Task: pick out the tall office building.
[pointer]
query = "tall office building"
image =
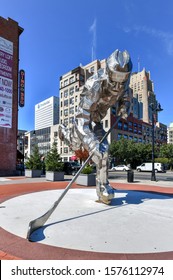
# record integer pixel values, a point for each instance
(143, 92)
(47, 113)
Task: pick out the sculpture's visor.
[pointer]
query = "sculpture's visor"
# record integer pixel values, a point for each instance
(117, 76)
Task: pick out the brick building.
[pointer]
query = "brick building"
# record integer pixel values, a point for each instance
(10, 32)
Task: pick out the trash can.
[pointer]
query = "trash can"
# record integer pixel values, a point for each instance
(130, 176)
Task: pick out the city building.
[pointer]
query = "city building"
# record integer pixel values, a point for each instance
(47, 113)
(10, 33)
(143, 94)
(170, 133)
(44, 138)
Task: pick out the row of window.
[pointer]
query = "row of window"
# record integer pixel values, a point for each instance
(68, 81)
(72, 79)
(130, 137)
(69, 92)
(70, 101)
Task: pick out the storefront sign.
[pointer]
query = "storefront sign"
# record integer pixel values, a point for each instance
(6, 82)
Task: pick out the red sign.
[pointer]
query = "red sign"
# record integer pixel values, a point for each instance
(22, 88)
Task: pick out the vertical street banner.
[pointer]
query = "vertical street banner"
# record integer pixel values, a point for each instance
(21, 88)
(6, 82)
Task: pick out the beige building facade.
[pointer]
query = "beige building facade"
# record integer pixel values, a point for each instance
(170, 133)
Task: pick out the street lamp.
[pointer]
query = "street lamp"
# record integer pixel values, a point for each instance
(154, 109)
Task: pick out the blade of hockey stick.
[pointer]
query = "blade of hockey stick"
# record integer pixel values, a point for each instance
(39, 222)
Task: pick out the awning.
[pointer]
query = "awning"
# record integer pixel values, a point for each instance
(73, 158)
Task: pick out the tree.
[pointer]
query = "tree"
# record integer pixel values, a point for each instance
(34, 162)
(130, 152)
(53, 160)
(166, 151)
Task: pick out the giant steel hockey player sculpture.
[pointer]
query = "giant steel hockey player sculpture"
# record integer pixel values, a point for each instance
(106, 88)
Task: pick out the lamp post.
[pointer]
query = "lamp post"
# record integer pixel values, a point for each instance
(155, 109)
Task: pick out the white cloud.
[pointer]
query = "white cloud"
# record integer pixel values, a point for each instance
(93, 30)
(165, 37)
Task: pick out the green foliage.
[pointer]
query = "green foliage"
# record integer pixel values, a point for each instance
(34, 162)
(53, 160)
(128, 152)
(87, 169)
(162, 160)
(166, 151)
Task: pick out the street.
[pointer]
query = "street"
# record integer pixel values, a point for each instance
(168, 176)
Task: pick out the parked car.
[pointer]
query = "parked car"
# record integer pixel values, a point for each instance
(120, 167)
(71, 167)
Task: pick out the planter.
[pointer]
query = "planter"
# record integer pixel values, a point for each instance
(54, 176)
(86, 180)
(32, 173)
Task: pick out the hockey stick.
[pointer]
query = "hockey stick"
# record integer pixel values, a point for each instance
(39, 222)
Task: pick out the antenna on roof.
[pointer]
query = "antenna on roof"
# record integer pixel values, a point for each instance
(138, 64)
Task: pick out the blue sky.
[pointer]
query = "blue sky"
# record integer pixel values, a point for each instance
(59, 35)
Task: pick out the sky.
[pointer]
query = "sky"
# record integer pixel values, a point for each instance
(60, 35)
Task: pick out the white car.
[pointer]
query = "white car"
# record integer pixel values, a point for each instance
(120, 167)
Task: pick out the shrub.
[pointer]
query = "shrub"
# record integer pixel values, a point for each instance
(87, 169)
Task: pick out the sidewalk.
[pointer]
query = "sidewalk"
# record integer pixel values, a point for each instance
(15, 247)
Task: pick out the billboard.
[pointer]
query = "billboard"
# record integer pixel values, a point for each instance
(6, 82)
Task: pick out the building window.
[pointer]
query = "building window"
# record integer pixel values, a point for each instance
(65, 150)
(125, 126)
(72, 79)
(119, 125)
(65, 93)
(66, 112)
(119, 136)
(66, 82)
(71, 110)
(71, 91)
(66, 102)
(72, 101)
